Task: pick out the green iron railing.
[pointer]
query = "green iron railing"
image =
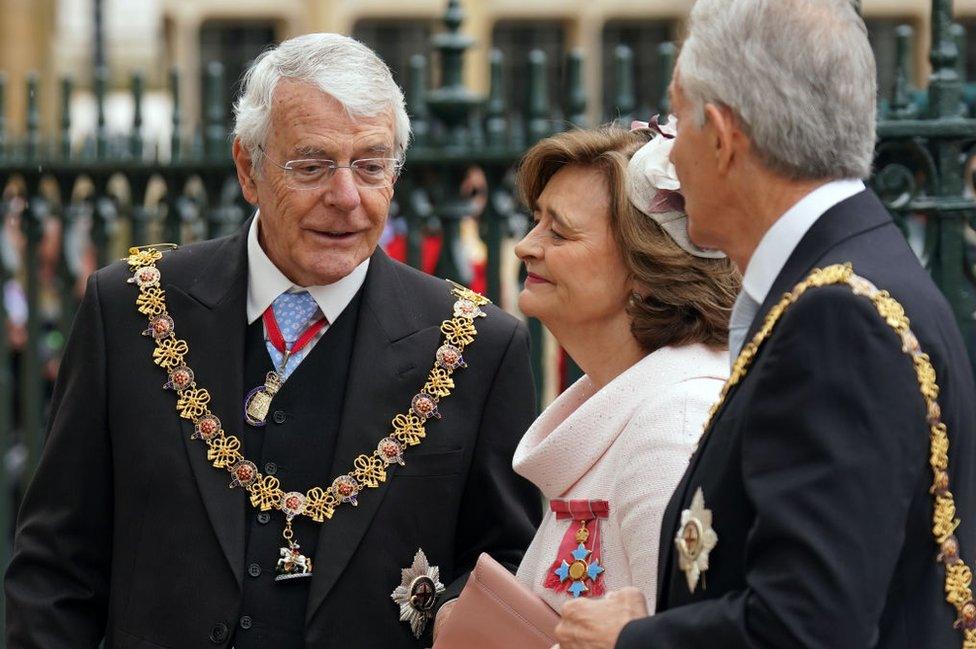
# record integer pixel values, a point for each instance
(923, 164)
(115, 191)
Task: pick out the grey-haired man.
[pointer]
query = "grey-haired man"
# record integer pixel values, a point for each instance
(820, 509)
(365, 414)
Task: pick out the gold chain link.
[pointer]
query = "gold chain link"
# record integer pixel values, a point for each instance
(369, 471)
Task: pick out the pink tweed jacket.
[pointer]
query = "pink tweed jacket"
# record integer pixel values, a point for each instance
(628, 444)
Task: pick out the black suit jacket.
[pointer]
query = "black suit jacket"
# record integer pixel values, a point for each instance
(127, 531)
(816, 469)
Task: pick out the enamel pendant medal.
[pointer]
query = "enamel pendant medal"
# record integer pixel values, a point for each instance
(257, 403)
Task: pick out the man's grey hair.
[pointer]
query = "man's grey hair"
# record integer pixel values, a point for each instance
(799, 74)
(337, 65)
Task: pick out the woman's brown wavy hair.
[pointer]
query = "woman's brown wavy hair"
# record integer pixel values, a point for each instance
(686, 299)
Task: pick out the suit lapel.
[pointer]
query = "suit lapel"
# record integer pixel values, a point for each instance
(210, 315)
(385, 372)
(850, 217)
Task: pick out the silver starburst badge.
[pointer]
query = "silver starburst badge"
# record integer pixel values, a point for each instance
(417, 593)
(695, 539)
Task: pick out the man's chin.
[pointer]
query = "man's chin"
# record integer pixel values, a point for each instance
(337, 266)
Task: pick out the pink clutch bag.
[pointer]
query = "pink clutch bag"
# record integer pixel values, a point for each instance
(496, 610)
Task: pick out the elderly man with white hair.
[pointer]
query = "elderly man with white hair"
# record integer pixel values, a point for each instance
(830, 503)
(279, 439)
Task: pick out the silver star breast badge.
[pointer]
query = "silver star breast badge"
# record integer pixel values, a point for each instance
(417, 593)
(695, 539)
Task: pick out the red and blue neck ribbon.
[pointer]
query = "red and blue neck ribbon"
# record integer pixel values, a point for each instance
(577, 568)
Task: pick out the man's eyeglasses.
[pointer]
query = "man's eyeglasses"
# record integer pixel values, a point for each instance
(314, 173)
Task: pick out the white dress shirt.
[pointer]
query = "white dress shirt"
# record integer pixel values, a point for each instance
(780, 241)
(265, 282)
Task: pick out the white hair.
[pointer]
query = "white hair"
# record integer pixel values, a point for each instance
(337, 65)
(799, 74)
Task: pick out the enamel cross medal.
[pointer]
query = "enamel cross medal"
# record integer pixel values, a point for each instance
(577, 569)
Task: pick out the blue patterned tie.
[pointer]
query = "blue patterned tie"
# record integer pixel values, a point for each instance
(294, 313)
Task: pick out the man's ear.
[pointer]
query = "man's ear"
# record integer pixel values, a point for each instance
(725, 133)
(245, 171)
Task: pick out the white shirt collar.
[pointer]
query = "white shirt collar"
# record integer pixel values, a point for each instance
(265, 282)
(782, 238)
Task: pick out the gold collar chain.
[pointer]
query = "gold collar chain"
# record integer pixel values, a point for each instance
(958, 578)
(224, 450)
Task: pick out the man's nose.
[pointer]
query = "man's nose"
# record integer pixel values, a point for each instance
(342, 190)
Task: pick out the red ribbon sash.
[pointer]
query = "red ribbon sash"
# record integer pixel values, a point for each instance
(589, 513)
(274, 333)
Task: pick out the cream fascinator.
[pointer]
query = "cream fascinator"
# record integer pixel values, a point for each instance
(654, 189)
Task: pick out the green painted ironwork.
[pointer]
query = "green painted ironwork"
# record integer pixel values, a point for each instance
(67, 87)
(33, 116)
(175, 140)
(414, 200)
(920, 173)
(7, 481)
(135, 136)
(576, 104)
(101, 130)
(902, 104)
(216, 130)
(666, 53)
(540, 112)
(625, 100)
(3, 115)
(497, 130)
(453, 104)
(496, 122)
(417, 101)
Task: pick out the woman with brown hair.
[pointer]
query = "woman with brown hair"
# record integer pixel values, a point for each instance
(644, 312)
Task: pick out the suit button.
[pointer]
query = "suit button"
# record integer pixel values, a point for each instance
(271, 468)
(279, 417)
(254, 570)
(264, 517)
(246, 622)
(218, 633)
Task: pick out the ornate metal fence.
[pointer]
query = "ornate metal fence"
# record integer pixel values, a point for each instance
(68, 210)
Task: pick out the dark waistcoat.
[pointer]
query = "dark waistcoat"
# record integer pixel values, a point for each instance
(296, 446)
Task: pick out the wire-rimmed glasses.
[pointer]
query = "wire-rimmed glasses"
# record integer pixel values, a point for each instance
(314, 173)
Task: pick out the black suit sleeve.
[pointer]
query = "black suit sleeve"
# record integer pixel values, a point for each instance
(58, 580)
(834, 449)
(499, 510)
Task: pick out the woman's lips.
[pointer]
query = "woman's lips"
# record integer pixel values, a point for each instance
(532, 278)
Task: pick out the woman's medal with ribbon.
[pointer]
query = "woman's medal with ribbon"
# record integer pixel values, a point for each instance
(577, 568)
(258, 401)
